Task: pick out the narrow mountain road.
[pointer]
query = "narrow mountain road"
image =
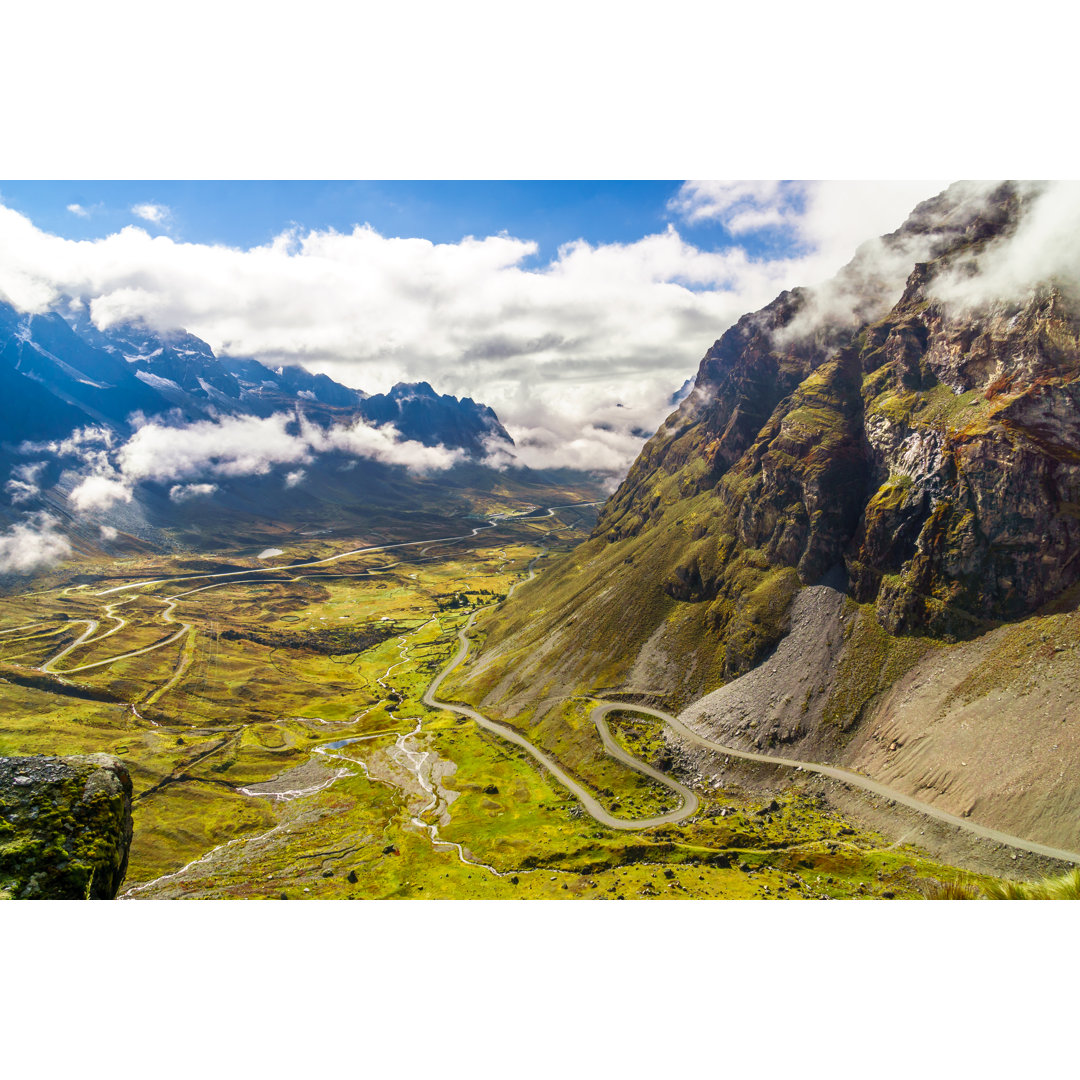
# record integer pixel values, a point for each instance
(690, 803)
(91, 629)
(853, 779)
(595, 810)
(166, 617)
(27, 626)
(87, 638)
(170, 602)
(493, 523)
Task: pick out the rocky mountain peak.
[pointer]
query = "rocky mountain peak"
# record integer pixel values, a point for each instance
(927, 450)
(883, 431)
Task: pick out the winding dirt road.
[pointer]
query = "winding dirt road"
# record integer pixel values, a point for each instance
(170, 602)
(690, 802)
(853, 779)
(593, 808)
(493, 523)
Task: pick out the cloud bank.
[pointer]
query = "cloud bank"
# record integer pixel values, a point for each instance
(190, 456)
(554, 348)
(827, 220)
(1043, 250)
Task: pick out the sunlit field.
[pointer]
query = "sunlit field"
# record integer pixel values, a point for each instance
(271, 717)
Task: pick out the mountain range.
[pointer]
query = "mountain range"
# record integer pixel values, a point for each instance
(58, 375)
(230, 449)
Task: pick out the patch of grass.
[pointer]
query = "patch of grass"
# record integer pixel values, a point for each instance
(872, 661)
(958, 889)
(760, 618)
(1065, 887)
(980, 887)
(329, 641)
(888, 497)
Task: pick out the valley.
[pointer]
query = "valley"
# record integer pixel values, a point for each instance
(291, 734)
(820, 638)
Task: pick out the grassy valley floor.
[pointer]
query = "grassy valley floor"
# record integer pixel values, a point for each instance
(273, 726)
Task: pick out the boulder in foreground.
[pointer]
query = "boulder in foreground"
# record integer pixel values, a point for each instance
(65, 827)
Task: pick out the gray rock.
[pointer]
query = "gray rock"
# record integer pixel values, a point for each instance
(65, 827)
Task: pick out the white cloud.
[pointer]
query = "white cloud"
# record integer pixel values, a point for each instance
(179, 493)
(231, 446)
(839, 215)
(19, 491)
(593, 449)
(552, 348)
(1039, 250)
(185, 455)
(33, 544)
(863, 291)
(1043, 249)
(384, 444)
(155, 213)
(99, 492)
(828, 218)
(108, 532)
(497, 455)
(78, 210)
(733, 202)
(23, 485)
(73, 445)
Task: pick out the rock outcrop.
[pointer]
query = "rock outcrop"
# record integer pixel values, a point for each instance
(65, 827)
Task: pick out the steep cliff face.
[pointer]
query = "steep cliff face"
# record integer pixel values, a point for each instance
(930, 453)
(975, 466)
(65, 827)
(920, 456)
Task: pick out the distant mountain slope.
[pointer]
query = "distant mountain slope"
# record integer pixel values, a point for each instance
(184, 370)
(420, 413)
(42, 353)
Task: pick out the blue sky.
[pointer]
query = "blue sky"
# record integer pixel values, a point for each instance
(246, 214)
